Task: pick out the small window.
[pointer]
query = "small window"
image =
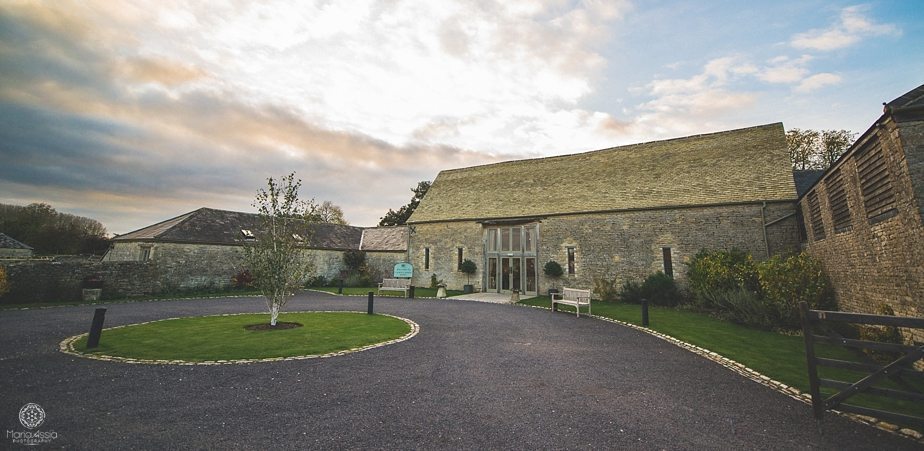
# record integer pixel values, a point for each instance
(426, 258)
(492, 240)
(571, 261)
(145, 253)
(668, 264)
(818, 226)
(459, 263)
(837, 200)
(247, 234)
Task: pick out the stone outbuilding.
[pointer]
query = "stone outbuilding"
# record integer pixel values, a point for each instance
(863, 217)
(12, 248)
(205, 247)
(623, 212)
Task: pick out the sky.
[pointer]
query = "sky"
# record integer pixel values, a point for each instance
(136, 112)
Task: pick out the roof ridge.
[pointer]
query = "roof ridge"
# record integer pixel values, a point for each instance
(615, 148)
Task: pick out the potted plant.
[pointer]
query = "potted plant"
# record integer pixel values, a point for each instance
(92, 287)
(553, 270)
(468, 267)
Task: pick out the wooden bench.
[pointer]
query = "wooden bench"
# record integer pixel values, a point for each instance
(395, 285)
(573, 297)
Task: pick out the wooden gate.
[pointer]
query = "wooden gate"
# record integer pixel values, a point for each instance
(900, 371)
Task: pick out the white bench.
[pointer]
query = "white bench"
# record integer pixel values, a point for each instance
(395, 285)
(573, 297)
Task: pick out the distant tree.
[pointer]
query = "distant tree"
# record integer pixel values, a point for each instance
(52, 232)
(813, 149)
(802, 146)
(833, 144)
(275, 258)
(329, 213)
(400, 217)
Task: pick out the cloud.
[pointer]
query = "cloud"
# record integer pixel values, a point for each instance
(817, 81)
(134, 113)
(852, 27)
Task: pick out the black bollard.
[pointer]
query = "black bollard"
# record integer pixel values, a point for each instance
(96, 329)
(410, 292)
(340, 287)
(644, 313)
(371, 297)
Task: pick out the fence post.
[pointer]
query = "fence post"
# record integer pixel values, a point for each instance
(644, 312)
(96, 329)
(369, 307)
(340, 287)
(818, 404)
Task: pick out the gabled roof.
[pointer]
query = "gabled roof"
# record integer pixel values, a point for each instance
(745, 165)
(909, 106)
(8, 242)
(805, 179)
(384, 239)
(210, 226)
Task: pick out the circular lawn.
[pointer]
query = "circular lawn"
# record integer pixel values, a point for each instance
(234, 339)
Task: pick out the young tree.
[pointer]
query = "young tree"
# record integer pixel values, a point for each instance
(400, 217)
(276, 257)
(330, 213)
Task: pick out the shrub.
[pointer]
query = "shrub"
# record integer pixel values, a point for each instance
(884, 334)
(787, 281)
(631, 292)
(744, 307)
(243, 279)
(357, 279)
(606, 290)
(468, 267)
(660, 289)
(354, 260)
(317, 281)
(4, 282)
(720, 270)
(553, 269)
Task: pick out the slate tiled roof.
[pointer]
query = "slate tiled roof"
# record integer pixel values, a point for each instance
(8, 242)
(805, 179)
(384, 239)
(745, 165)
(210, 226)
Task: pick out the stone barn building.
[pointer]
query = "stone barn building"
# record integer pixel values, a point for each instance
(863, 218)
(622, 212)
(205, 247)
(12, 248)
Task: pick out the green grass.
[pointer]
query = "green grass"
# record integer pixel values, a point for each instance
(775, 355)
(224, 337)
(419, 292)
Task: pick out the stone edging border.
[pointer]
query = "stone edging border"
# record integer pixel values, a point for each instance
(755, 376)
(67, 345)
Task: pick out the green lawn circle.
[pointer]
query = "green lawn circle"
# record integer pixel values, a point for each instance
(223, 338)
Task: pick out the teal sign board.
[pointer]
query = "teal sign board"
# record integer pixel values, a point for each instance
(404, 270)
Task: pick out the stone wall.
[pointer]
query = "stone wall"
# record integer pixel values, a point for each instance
(872, 264)
(444, 239)
(628, 245)
(383, 262)
(61, 281)
(625, 245)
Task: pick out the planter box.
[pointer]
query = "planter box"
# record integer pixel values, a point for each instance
(92, 294)
(468, 289)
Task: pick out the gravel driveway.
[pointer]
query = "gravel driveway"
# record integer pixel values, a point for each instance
(478, 375)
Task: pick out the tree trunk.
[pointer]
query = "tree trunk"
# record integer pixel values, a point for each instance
(274, 314)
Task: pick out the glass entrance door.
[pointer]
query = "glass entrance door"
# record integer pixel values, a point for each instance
(510, 259)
